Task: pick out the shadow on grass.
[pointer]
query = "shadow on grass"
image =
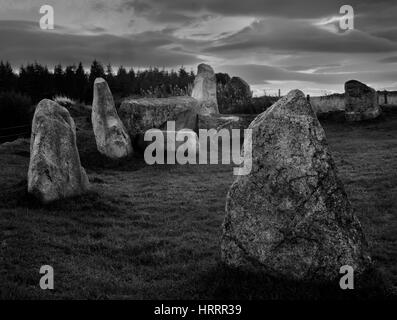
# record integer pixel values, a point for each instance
(224, 283)
(96, 162)
(91, 159)
(338, 117)
(92, 201)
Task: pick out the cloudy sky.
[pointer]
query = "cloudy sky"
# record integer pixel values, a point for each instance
(272, 44)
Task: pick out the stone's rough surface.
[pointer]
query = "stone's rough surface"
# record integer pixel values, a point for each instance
(111, 137)
(361, 102)
(204, 89)
(291, 215)
(239, 85)
(140, 115)
(55, 171)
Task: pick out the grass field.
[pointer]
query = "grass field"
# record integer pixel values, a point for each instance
(153, 232)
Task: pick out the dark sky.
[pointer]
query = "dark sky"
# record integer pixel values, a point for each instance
(270, 43)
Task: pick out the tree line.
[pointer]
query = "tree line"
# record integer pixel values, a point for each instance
(21, 91)
(38, 82)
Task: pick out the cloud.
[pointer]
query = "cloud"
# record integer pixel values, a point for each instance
(95, 29)
(24, 41)
(259, 74)
(388, 33)
(281, 8)
(300, 35)
(293, 42)
(315, 67)
(371, 18)
(153, 12)
(389, 60)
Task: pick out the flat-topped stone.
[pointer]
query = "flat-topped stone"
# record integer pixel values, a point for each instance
(140, 115)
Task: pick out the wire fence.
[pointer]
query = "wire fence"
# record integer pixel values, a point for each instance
(16, 127)
(15, 135)
(23, 131)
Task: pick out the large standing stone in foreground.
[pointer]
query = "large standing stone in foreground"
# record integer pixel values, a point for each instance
(204, 89)
(290, 216)
(140, 115)
(241, 86)
(55, 171)
(361, 102)
(111, 137)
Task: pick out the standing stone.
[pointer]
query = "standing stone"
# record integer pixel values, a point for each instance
(111, 137)
(241, 86)
(204, 89)
(290, 215)
(55, 171)
(361, 102)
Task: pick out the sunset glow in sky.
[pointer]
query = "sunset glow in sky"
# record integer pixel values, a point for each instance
(272, 44)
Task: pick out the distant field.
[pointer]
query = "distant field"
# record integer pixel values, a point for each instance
(153, 232)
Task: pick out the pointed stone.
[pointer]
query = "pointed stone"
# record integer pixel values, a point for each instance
(290, 216)
(111, 137)
(204, 89)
